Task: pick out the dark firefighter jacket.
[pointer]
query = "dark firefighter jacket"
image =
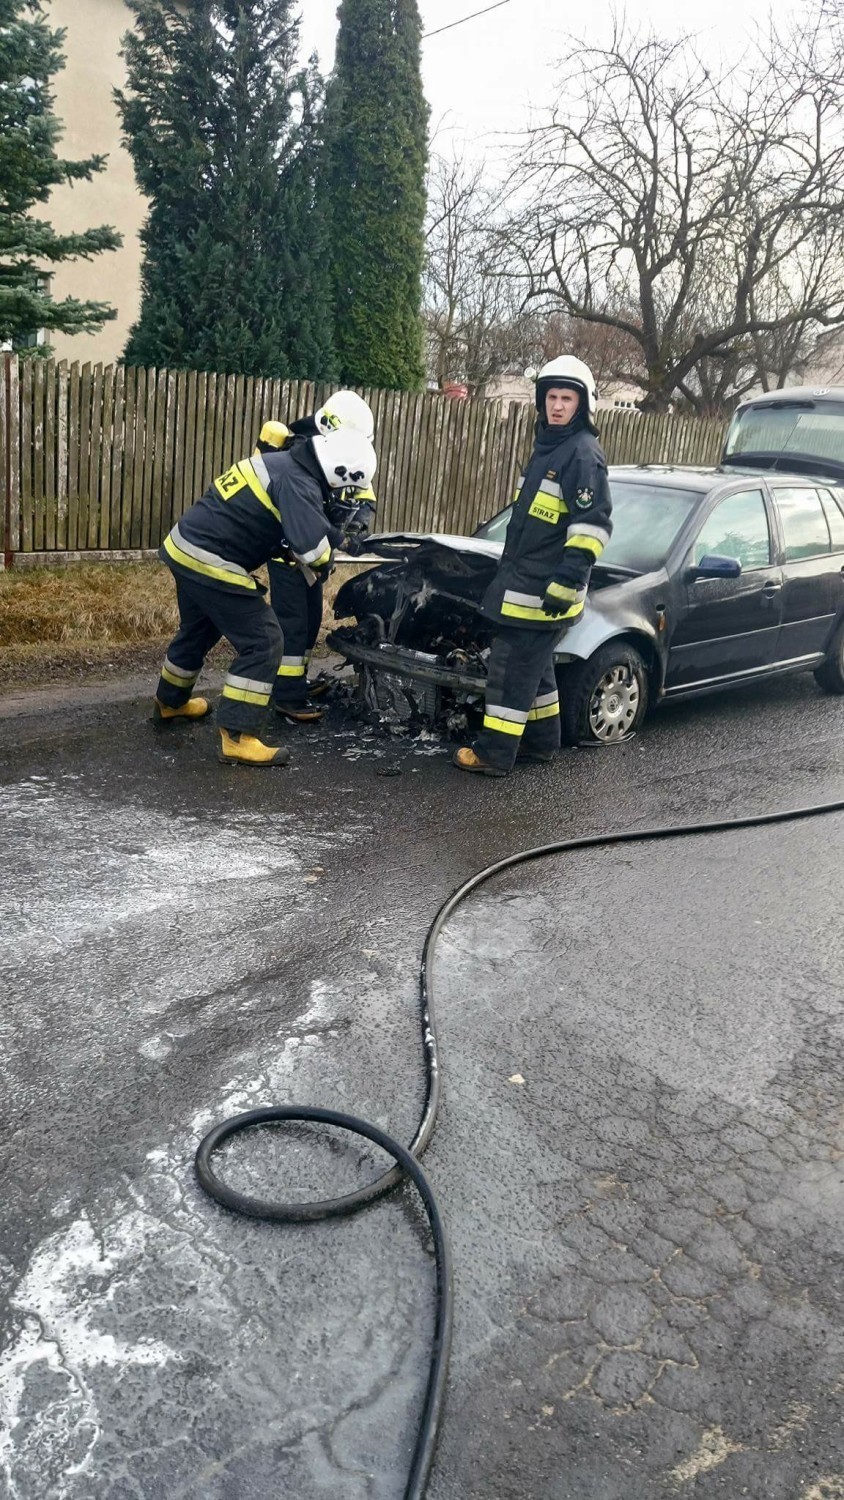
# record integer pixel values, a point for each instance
(560, 525)
(246, 515)
(350, 512)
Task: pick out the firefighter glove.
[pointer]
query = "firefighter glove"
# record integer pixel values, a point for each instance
(354, 545)
(560, 598)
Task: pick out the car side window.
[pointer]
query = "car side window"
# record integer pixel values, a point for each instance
(803, 523)
(738, 527)
(833, 504)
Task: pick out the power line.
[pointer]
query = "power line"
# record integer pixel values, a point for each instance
(472, 17)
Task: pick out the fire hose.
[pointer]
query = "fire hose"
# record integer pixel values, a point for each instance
(407, 1158)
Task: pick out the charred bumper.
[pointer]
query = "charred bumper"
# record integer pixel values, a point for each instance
(402, 661)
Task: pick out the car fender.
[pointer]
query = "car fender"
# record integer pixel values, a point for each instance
(598, 626)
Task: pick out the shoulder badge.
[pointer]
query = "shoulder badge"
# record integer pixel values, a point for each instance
(584, 498)
(552, 474)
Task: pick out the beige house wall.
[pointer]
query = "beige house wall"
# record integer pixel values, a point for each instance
(84, 104)
(506, 388)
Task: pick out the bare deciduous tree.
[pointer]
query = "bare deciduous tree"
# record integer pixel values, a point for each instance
(697, 215)
(465, 299)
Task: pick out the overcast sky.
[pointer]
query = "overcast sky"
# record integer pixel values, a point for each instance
(482, 78)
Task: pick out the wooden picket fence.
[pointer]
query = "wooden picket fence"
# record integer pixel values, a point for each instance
(105, 459)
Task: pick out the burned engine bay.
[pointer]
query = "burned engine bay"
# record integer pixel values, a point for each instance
(420, 644)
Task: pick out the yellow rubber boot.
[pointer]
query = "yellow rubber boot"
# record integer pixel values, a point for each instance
(246, 750)
(195, 708)
(465, 759)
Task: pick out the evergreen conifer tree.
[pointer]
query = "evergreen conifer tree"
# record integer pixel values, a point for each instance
(30, 56)
(377, 124)
(225, 136)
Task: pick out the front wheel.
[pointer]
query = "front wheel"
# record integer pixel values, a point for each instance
(830, 674)
(603, 700)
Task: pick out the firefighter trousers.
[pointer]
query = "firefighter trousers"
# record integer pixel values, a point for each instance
(298, 609)
(206, 613)
(522, 710)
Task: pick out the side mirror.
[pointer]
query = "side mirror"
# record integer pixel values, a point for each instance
(713, 565)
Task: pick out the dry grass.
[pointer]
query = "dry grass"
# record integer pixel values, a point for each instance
(116, 604)
(62, 620)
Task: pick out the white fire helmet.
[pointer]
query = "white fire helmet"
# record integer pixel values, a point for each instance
(345, 409)
(570, 372)
(346, 457)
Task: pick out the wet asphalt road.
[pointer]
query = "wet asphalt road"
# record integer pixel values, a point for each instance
(647, 1229)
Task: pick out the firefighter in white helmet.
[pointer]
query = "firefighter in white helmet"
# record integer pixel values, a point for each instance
(559, 526)
(296, 595)
(244, 518)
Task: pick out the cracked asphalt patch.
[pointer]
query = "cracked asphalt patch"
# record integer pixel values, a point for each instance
(640, 1155)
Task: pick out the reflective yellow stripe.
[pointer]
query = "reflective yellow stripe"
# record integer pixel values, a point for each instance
(181, 672)
(179, 682)
(324, 557)
(563, 591)
(548, 507)
(291, 671)
(244, 696)
(185, 560)
(257, 488)
(586, 544)
(524, 612)
(504, 726)
(550, 711)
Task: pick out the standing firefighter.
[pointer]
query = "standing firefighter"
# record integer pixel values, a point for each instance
(295, 594)
(244, 518)
(560, 525)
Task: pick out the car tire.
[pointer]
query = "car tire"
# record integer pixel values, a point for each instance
(830, 674)
(603, 700)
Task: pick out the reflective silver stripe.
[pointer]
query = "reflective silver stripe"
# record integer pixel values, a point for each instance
(315, 552)
(170, 666)
(531, 601)
(597, 532)
(260, 469)
(248, 684)
(550, 487)
(544, 698)
(293, 661)
(211, 558)
(498, 711)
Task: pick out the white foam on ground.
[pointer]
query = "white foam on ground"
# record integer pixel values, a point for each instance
(68, 1271)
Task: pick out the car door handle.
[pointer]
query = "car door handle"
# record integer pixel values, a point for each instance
(773, 588)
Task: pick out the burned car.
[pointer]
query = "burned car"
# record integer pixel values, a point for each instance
(714, 577)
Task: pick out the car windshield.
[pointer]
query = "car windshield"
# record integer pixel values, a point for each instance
(646, 519)
(794, 427)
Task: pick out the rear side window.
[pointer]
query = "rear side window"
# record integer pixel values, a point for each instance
(738, 527)
(833, 504)
(803, 522)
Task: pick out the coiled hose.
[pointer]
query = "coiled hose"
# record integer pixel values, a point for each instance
(406, 1158)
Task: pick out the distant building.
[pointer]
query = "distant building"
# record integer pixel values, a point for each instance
(516, 387)
(84, 104)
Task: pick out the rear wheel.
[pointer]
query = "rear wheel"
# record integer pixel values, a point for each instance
(604, 700)
(830, 674)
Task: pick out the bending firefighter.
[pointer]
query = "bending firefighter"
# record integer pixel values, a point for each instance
(295, 593)
(244, 518)
(559, 526)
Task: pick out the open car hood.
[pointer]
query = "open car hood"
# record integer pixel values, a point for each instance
(403, 541)
(427, 593)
